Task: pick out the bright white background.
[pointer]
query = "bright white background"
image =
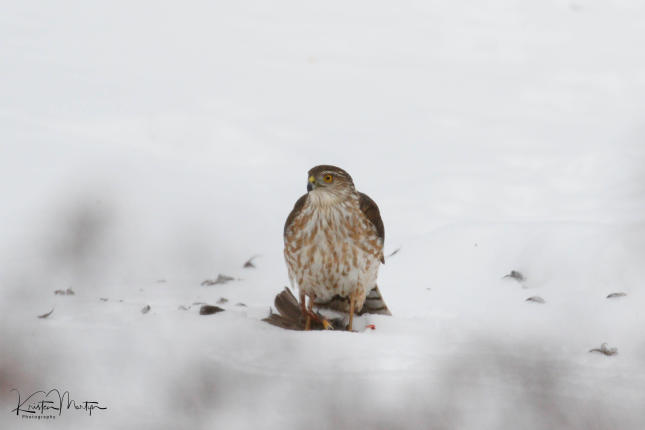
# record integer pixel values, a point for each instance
(147, 141)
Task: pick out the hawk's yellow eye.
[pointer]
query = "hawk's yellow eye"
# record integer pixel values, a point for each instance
(328, 178)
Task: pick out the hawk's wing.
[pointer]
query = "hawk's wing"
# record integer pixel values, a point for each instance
(370, 210)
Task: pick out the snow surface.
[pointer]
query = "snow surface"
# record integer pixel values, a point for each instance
(147, 146)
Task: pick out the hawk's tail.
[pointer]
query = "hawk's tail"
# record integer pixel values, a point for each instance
(374, 304)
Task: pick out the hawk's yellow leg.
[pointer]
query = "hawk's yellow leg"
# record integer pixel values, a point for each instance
(352, 305)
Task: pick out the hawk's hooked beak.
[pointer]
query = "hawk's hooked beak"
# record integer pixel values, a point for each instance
(312, 183)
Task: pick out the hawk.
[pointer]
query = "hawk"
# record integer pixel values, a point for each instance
(333, 246)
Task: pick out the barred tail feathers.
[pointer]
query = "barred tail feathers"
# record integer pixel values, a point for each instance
(374, 304)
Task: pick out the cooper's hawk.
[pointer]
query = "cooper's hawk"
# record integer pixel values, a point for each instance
(333, 246)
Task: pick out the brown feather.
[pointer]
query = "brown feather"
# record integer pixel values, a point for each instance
(289, 315)
(287, 304)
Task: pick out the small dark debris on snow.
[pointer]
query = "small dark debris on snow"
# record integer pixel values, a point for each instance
(120, 300)
(222, 300)
(605, 349)
(209, 310)
(393, 253)
(161, 281)
(145, 309)
(515, 275)
(183, 308)
(428, 289)
(536, 299)
(249, 263)
(240, 304)
(615, 295)
(221, 279)
(103, 299)
(47, 314)
(67, 292)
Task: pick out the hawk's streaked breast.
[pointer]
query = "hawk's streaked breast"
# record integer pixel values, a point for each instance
(332, 248)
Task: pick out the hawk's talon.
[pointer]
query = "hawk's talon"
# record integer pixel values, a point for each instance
(326, 324)
(311, 316)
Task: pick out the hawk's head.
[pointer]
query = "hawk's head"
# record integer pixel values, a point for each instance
(330, 182)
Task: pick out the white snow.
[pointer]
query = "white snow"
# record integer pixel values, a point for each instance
(147, 146)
